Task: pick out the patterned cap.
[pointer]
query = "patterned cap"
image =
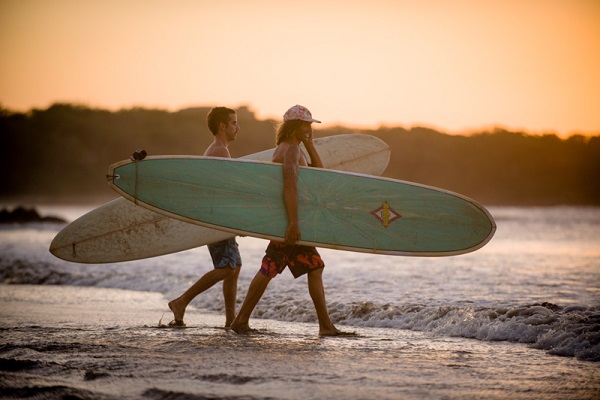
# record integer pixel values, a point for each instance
(299, 113)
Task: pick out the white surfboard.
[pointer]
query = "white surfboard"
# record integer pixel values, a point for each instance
(122, 231)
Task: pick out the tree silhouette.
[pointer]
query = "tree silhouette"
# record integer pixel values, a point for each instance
(62, 153)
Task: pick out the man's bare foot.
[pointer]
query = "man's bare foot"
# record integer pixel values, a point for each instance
(178, 312)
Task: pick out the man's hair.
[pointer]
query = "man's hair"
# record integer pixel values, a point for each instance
(216, 116)
(286, 130)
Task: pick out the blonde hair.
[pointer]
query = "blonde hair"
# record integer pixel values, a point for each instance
(286, 130)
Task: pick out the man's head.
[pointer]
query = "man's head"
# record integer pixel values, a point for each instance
(218, 116)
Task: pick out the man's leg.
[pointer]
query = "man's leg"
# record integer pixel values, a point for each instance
(230, 295)
(207, 281)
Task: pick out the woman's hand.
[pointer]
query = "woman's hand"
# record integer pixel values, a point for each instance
(292, 234)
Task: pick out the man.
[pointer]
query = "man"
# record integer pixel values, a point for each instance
(296, 129)
(223, 124)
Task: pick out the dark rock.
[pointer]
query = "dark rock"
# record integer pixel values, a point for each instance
(25, 215)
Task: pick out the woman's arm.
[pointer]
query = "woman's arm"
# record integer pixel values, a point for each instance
(315, 159)
(291, 168)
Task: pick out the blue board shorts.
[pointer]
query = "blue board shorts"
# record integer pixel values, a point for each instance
(225, 253)
(299, 259)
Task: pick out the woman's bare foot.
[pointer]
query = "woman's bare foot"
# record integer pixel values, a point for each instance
(335, 332)
(178, 312)
(241, 329)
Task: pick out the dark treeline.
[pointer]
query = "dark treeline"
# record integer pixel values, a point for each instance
(62, 153)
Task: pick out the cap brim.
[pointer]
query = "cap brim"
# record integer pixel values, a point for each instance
(305, 120)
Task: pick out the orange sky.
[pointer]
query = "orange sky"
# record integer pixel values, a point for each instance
(455, 65)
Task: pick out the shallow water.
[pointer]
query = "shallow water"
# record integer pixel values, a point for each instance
(519, 318)
(91, 342)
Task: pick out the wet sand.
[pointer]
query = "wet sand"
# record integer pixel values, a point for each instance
(105, 343)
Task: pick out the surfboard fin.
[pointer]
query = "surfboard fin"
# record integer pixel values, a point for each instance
(138, 155)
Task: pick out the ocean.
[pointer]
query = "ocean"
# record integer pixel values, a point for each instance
(519, 319)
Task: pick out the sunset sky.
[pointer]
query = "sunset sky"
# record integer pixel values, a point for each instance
(454, 65)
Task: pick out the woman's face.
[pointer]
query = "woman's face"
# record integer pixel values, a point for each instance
(304, 131)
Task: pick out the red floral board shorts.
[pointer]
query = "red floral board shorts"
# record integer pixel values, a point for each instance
(299, 259)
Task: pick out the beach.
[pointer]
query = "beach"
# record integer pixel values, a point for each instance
(518, 319)
(106, 343)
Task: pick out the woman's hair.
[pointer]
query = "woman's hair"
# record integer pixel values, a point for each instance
(286, 130)
(216, 116)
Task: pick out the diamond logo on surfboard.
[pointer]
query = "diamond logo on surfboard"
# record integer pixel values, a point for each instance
(386, 214)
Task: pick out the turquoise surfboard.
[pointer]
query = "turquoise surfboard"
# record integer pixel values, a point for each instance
(338, 210)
